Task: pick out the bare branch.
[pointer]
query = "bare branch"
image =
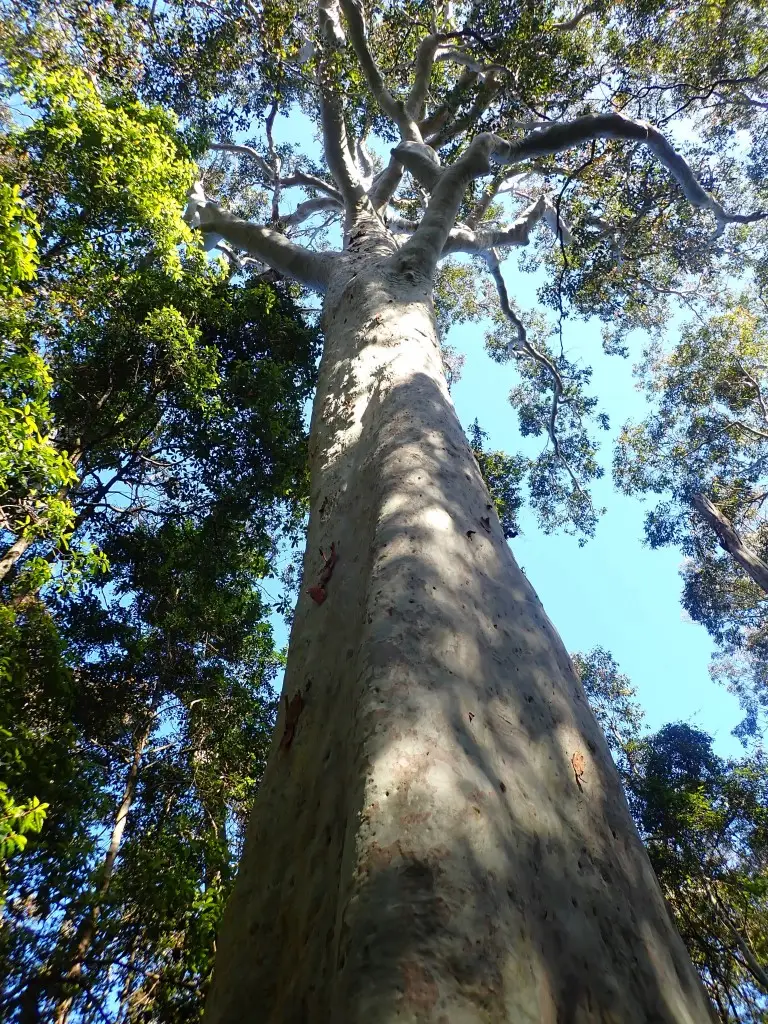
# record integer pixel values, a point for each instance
(572, 23)
(566, 135)
(336, 143)
(466, 239)
(305, 210)
(421, 160)
(394, 109)
(231, 147)
(298, 178)
(270, 247)
(732, 542)
(447, 109)
(426, 55)
(311, 181)
(275, 162)
(522, 346)
(385, 184)
(485, 96)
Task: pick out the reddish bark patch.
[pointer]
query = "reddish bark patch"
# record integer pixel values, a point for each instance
(378, 857)
(414, 818)
(421, 991)
(318, 594)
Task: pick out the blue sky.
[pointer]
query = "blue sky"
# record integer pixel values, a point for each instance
(614, 592)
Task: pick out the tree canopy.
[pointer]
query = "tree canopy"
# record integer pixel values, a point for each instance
(155, 365)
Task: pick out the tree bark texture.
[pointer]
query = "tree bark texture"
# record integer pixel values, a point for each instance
(440, 835)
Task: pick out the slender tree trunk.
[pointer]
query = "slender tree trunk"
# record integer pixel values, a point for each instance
(752, 564)
(87, 931)
(12, 554)
(441, 834)
(20, 546)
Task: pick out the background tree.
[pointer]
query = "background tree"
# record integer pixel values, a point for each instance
(703, 448)
(153, 466)
(702, 819)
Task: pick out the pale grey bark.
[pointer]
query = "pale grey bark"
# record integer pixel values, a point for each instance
(427, 843)
(568, 134)
(732, 542)
(394, 109)
(271, 247)
(12, 554)
(441, 834)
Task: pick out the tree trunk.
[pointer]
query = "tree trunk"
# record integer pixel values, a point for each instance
(440, 834)
(87, 931)
(752, 564)
(12, 554)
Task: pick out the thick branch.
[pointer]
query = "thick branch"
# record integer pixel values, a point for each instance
(575, 21)
(567, 135)
(421, 160)
(463, 239)
(231, 147)
(385, 184)
(270, 247)
(752, 564)
(447, 109)
(394, 109)
(336, 143)
(305, 210)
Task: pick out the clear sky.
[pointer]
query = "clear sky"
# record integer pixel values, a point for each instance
(614, 592)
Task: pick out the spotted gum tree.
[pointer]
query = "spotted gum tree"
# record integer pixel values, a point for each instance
(441, 834)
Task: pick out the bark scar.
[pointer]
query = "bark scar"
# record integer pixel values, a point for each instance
(318, 593)
(578, 763)
(292, 711)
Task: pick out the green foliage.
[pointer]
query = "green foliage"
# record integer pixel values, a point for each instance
(503, 475)
(704, 823)
(707, 433)
(136, 614)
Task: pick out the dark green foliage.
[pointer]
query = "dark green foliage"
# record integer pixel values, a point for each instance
(503, 475)
(134, 624)
(704, 822)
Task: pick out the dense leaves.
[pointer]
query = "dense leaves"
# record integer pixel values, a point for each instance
(153, 472)
(704, 822)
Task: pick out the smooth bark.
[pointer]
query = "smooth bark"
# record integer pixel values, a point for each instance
(12, 554)
(441, 834)
(752, 564)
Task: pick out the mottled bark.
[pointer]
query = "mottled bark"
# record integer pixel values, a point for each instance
(441, 834)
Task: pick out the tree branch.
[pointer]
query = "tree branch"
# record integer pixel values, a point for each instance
(567, 135)
(394, 109)
(298, 178)
(336, 143)
(464, 239)
(270, 247)
(231, 147)
(522, 346)
(312, 181)
(572, 23)
(752, 564)
(305, 210)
